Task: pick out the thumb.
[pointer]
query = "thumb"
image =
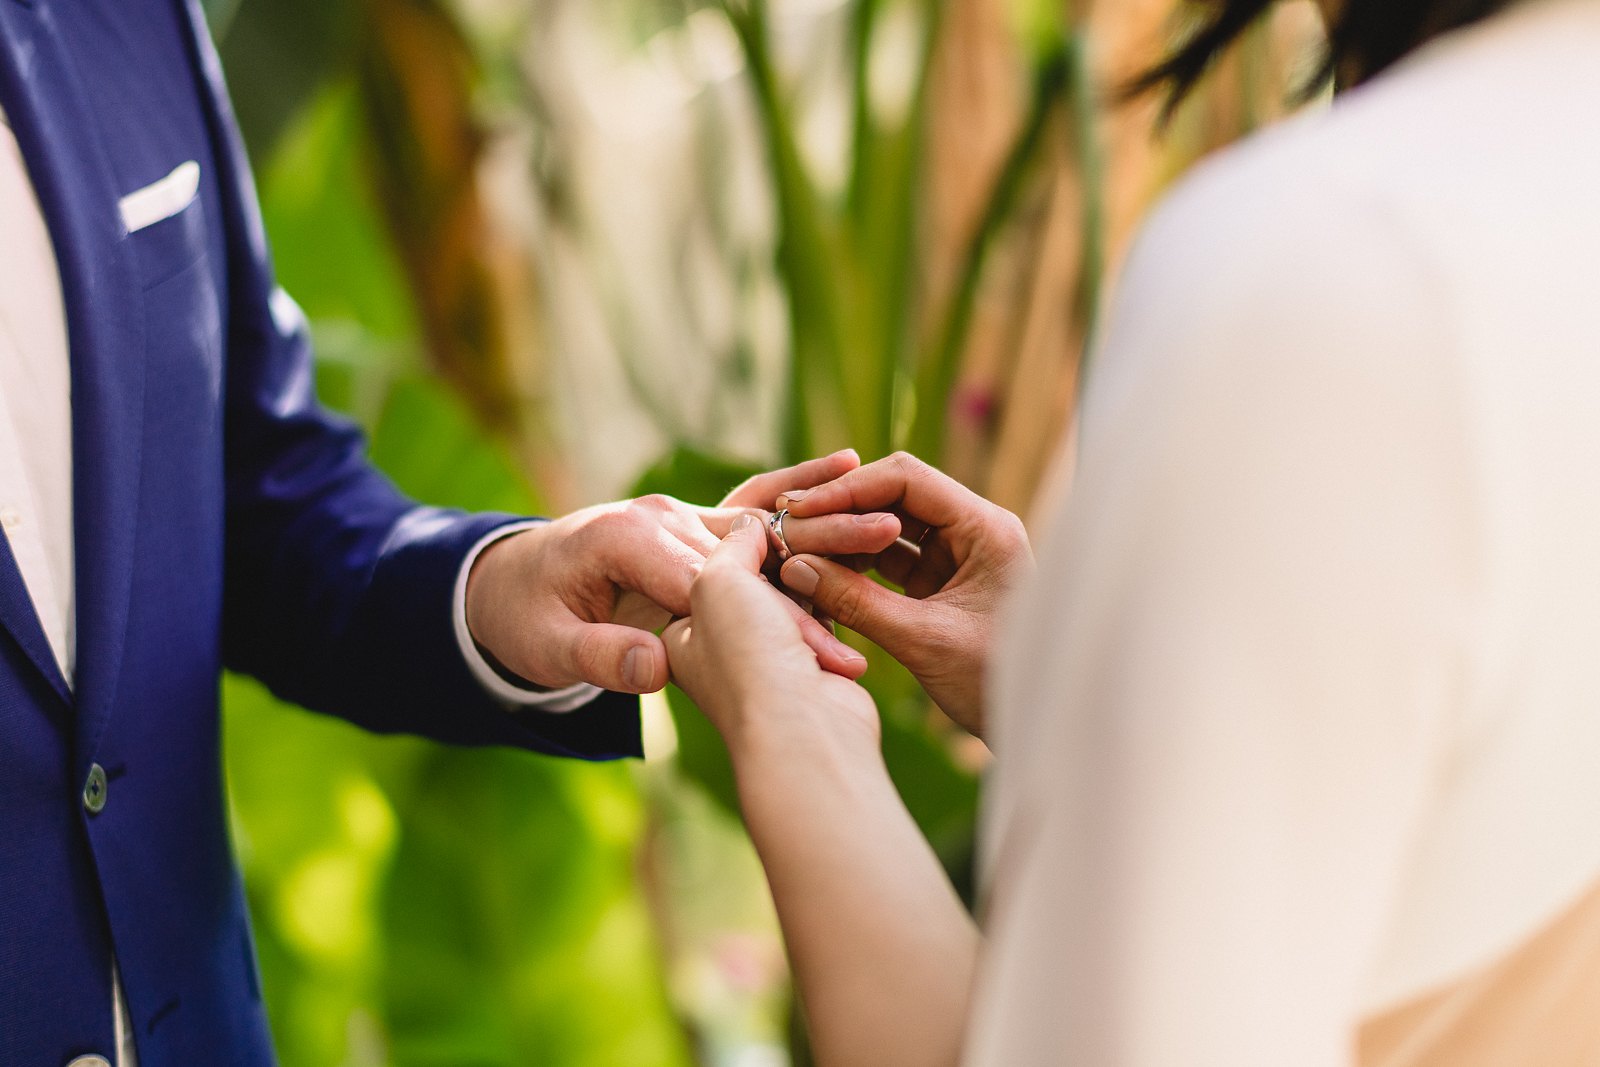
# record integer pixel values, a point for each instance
(877, 613)
(618, 658)
(743, 550)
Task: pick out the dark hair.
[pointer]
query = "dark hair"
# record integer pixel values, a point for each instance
(1366, 38)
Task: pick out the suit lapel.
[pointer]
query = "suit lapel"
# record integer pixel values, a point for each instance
(21, 621)
(76, 186)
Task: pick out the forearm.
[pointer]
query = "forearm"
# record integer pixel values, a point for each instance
(369, 636)
(883, 950)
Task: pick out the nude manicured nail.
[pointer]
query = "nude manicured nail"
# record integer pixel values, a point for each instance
(871, 520)
(796, 494)
(800, 577)
(743, 522)
(638, 668)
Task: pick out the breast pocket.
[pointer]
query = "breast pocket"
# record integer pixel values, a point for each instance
(169, 235)
(166, 224)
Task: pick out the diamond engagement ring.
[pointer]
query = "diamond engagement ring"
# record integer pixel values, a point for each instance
(775, 538)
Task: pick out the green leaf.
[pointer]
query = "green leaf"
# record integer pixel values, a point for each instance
(428, 443)
(509, 944)
(279, 55)
(328, 242)
(695, 476)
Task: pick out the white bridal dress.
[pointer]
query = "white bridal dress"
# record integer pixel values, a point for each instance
(1298, 732)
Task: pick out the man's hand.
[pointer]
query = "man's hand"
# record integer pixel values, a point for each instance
(579, 599)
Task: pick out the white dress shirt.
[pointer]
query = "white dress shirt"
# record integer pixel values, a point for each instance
(1298, 729)
(36, 458)
(35, 406)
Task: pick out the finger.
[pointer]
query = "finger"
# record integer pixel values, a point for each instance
(690, 528)
(675, 638)
(841, 535)
(881, 615)
(763, 489)
(662, 569)
(718, 521)
(640, 612)
(741, 553)
(833, 655)
(618, 658)
(900, 481)
(682, 658)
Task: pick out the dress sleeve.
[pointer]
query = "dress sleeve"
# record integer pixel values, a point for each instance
(1222, 708)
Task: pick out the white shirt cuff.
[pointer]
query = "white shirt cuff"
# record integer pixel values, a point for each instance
(513, 696)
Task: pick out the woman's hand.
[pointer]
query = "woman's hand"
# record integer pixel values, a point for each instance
(958, 558)
(745, 656)
(884, 953)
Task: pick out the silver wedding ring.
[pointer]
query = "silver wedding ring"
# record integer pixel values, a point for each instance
(775, 538)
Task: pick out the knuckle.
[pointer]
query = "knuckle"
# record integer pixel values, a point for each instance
(589, 655)
(676, 634)
(1012, 533)
(848, 602)
(618, 522)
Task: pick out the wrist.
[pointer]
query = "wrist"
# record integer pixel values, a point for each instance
(491, 582)
(776, 763)
(784, 729)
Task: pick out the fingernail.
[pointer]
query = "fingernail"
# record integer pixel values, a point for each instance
(743, 522)
(870, 520)
(638, 668)
(797, 494)
(845, 452)
(850, 655)
(799, 576)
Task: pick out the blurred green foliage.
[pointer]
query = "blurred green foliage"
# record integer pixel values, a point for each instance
(864, 371)
(416, 905)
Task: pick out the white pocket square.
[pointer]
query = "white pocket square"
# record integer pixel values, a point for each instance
(161, 200)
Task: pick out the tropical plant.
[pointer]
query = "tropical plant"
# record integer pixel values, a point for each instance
(547, 244)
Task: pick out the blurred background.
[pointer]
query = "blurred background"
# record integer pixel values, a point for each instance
(562, 251)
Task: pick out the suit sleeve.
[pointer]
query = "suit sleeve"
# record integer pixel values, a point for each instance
(339, 589)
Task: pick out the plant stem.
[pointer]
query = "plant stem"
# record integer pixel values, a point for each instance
(936, 375)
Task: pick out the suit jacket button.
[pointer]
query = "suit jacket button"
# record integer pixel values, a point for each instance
(90, 1061)
(94, 799)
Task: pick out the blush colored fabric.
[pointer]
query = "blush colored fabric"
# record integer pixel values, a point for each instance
(1297, 725)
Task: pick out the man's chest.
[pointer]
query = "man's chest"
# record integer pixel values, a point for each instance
(132, 68)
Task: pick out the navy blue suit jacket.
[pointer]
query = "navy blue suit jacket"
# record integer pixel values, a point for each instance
(223, 519)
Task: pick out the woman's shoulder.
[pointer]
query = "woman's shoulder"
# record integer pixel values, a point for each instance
(1277, 243)
(1313, 188)
(1276, 270)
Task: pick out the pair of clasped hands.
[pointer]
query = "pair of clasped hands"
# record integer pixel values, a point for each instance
(582, 598)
